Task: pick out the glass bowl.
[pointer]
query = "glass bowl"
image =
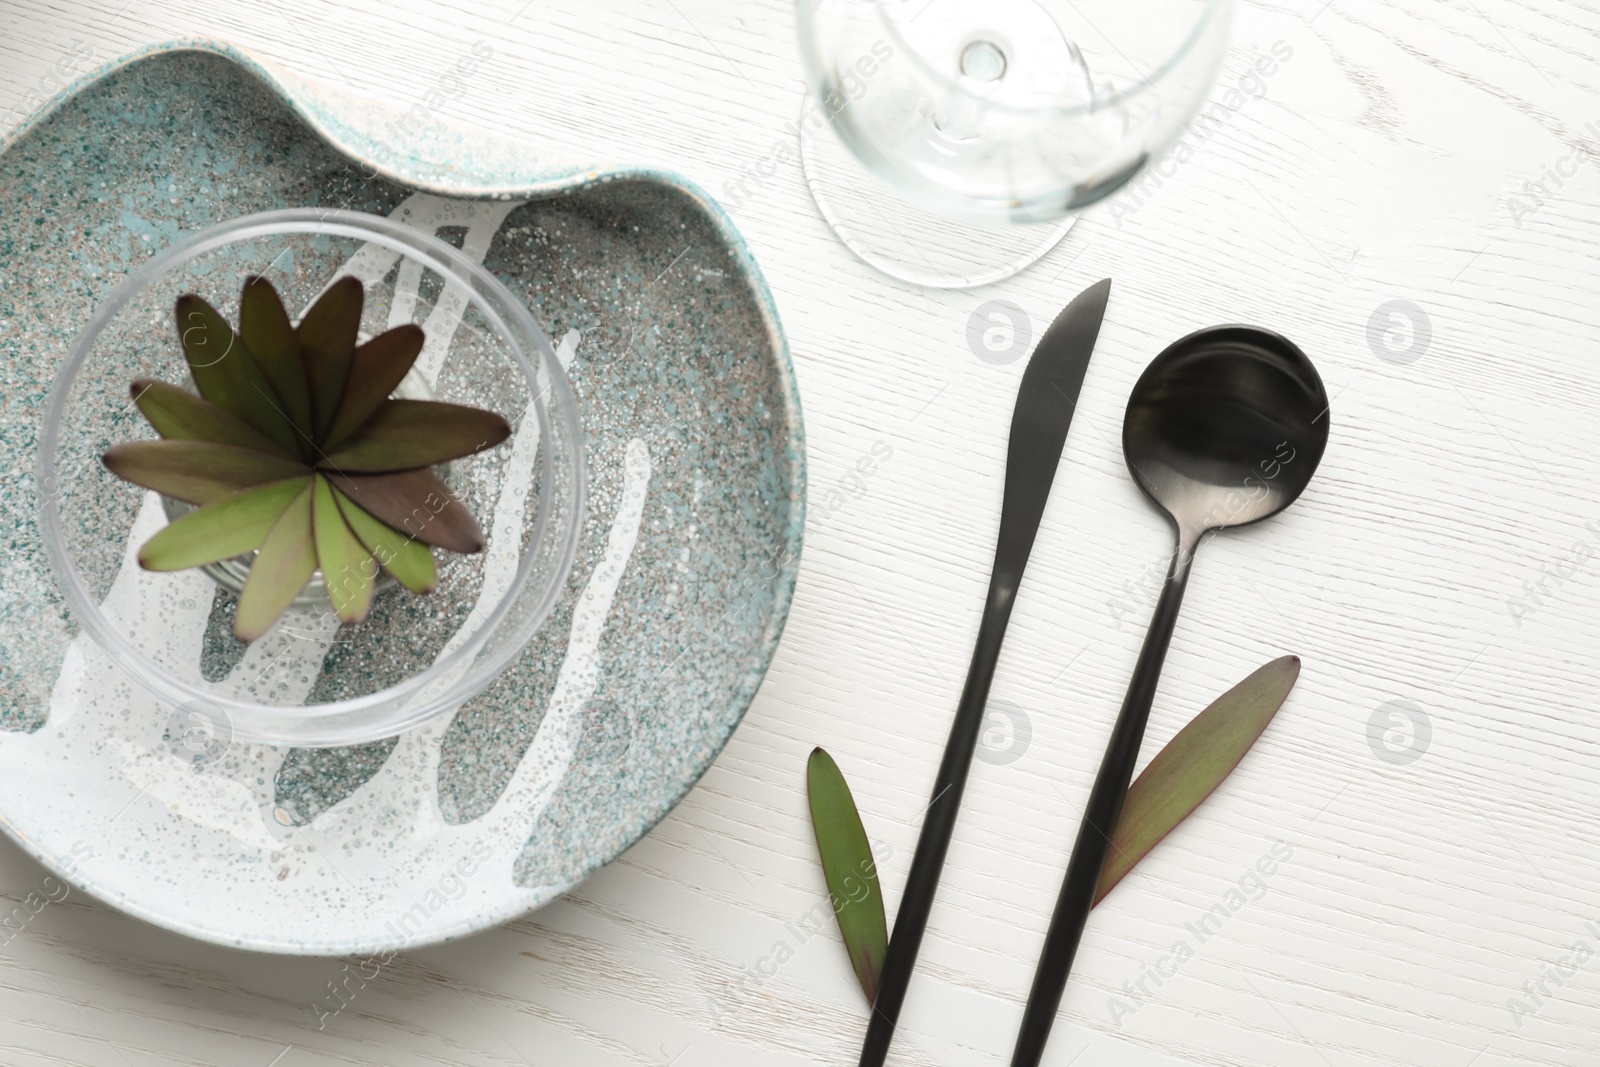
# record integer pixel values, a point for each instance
(950, 143)
(1011, 111)
(310, 681)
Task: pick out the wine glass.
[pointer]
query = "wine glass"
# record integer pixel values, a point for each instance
(948, 142)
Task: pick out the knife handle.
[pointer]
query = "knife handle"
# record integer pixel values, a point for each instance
(938, 824)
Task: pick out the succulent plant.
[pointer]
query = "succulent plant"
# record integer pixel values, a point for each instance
(295, 450)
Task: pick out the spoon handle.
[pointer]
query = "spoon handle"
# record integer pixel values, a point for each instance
(1099, 821)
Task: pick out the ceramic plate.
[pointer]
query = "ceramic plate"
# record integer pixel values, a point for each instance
(684, 574)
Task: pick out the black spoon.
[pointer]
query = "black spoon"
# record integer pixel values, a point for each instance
(1224, 428)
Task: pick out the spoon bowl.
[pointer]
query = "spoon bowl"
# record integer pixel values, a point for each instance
(1225, 427)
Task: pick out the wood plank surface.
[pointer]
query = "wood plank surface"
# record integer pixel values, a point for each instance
(1396, 156)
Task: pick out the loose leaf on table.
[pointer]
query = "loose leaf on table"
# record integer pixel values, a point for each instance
(348, 569)
(284, 564)
(227, 527)
(416, 503)
(849, 869)
(407, 559)
(376, 370)
(179, 415)
(403, 434)
(264, 325)
(1182, 775)
(226, 373)
(197, 472)
(327, 338)
(1194, 763)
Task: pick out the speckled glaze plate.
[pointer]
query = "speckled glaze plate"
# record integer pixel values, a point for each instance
(684, 573)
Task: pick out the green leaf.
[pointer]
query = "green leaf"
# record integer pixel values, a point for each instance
(348, 569)
(1193, 764)
(1183, 774)
(327, 338)
(284, 563)
(226, 373)
(406, 558)
(179, 415)
(197, 472)
(849, 869)
(416, 503)
(269, 335)
(375, 371)
(406, 434)
(227, 527)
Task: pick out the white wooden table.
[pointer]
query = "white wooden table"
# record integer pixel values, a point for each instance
(1414, 197)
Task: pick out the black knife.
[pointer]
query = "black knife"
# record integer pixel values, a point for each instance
(1045, 406)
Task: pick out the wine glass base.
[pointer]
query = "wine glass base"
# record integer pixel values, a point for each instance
(900, 238)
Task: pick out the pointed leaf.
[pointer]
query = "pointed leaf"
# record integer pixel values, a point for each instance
(197, 472)
(404, 434)
(416, 503)
(850, 870)
(179, 415)
(284, 564)
(406, 558)
(1193, 764)
(226, 373)
(227, 527)
(327, 338)
(348, 569)
(269, 335)
(375, 370)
